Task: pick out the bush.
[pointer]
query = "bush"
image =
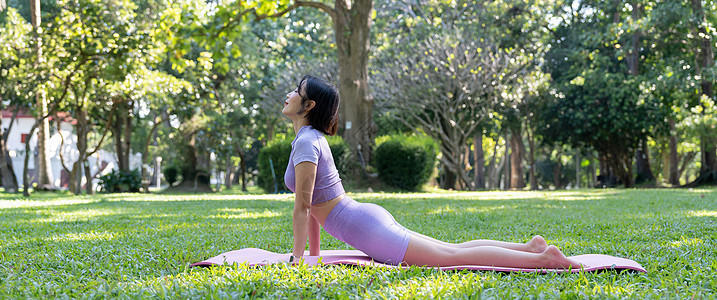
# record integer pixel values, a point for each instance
(405, 162)
(121, 181)
(202, 177)
(279, 150)
(341, 153)
(171, 174)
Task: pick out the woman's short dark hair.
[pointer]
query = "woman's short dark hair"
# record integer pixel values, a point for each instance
(324, 116)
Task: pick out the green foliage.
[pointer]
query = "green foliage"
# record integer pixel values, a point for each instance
(279, 150)
(172, 173)
(16, 58)
(406, 162)
(276, 153)
(341, 153)
(119, 181)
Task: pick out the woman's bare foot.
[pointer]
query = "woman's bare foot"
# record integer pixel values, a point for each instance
(537, 244)
(555, 259)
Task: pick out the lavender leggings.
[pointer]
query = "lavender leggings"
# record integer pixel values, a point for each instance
(369, 228)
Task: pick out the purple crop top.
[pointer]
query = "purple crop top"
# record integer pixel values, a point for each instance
(311, 145)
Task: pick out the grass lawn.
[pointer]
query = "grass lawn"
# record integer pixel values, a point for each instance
(132, 245)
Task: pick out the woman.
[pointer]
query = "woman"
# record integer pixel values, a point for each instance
(321, 201)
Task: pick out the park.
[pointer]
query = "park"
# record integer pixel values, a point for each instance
(141, 136)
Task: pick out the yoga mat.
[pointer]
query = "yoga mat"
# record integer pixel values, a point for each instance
(259, 257)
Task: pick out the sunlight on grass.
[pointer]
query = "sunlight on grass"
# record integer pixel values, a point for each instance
(78, 215)
(437, 285)
(241, 213)
(449, 209)
(34, 203)
(686, 242)
(82, 236)
(702, 213)
(195, 197)
(496, 195)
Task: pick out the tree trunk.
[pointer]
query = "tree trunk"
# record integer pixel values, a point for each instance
(642, 163)
(517, 178)
(25, 173)
(9, 181)
(145, 154)
(479, 161)
(89, 187)
(82, 129)
(242, 164)
(43, 168)
(558, 170)
(449, 180)
(492, 173)
(577, 168)
(122, 133)
(531, 174)
(506, 166)
(352, 23)
(229, 174)
(705, 60)
(674, 175)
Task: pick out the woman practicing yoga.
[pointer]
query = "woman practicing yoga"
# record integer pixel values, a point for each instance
(320, 200)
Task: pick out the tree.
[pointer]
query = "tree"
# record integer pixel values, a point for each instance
(705, 63)
(351, 21)
(91, 54)
(44, 168)
(15, 63)
(446, 86)
(597, 104)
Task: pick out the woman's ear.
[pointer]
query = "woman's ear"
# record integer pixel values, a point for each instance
(310, 105)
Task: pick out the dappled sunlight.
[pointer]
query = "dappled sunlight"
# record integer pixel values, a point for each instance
(241, 213)
(435, 286)
(37, 203)
(700, 191)
(449, 209)
(702, 213)
(198, 197)
(82, 236)
(78, 215)
(609, 289)
(686, 242)
(494, 195)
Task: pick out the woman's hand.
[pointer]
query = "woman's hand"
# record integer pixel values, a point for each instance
(293, 260)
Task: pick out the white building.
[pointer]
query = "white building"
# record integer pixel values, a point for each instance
(101, 162)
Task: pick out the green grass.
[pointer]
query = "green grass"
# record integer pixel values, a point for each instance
(132, 246)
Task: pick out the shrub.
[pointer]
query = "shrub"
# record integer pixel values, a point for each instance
(121, 181)
(278, 150)
(203, 176)
(341, 153)
(171, 174)
(405, 162)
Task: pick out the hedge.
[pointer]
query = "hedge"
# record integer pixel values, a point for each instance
(279, 150)
(405, 162)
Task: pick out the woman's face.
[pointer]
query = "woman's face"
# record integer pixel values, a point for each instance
(292, 105)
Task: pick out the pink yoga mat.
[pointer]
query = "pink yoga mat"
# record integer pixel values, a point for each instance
(259, 257)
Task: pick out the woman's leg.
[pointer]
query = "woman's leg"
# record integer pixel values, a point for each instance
(426, 252)
(536, 245)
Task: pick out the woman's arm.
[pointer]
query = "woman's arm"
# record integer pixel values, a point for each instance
(314, 237)
(305, 179)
